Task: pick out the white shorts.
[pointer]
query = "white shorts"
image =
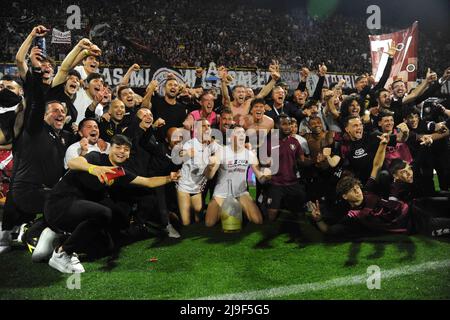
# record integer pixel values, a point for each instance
(225, 195)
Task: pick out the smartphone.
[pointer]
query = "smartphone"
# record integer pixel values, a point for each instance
(118, 172)
(392, 140)
(40, 43)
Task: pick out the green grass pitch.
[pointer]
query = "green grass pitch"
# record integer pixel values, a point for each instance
(208, 263)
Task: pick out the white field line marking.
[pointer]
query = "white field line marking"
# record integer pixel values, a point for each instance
(338, 282)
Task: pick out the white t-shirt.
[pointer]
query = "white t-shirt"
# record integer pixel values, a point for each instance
(82, 72)
(82, 102)
(303, 143)
(233, 166)
(192, 178)
(74, 150)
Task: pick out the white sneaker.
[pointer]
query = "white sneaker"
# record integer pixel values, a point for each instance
(5, 241)
(76, 264)
(172, 232)
(66, 263)
(44, 246)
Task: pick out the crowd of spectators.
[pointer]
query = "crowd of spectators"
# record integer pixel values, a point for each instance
(193, 33)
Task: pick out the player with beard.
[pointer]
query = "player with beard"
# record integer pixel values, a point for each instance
(383, 104)
(90, 141)
(365, 84)
(115, 125)
(400, 101)
(168, 108)
(225, 123)
(284, 184)
(66, 92)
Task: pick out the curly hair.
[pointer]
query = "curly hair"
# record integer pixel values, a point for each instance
(345, 184)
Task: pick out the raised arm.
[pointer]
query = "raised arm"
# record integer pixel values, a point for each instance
(304, 73)
(225, 79)
(82, 48)
(387, 69)
(126, 78)
(380, 155)
(38, 31)
(318, 90)
(421, 88)
(274, 69)
(149, 92)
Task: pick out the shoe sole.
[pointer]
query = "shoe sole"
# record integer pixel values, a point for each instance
(60, 268)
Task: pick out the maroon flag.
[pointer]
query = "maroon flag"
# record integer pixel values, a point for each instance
(404, 65)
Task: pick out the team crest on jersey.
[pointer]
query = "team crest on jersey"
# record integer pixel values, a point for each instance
(292, 147)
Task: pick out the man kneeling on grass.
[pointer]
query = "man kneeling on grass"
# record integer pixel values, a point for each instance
(79, 203)
(370, 213)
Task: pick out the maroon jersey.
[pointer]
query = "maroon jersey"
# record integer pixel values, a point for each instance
(379, 214)
(289, 153)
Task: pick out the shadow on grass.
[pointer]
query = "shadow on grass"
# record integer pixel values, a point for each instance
(37, 275)
(300, 231)
(199, 232)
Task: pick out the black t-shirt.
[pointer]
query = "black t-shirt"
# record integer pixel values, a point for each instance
(39, 158)
(173, 115)
(109, 128)
(58, 93)
(359, 158)
(76, 185)
(403, 191)
(288, 108)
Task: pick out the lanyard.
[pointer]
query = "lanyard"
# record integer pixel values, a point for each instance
(276, 111)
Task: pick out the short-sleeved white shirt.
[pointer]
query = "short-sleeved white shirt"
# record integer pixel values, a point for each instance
(233, 166)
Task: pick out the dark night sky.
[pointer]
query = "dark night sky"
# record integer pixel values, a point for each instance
(433, 15)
